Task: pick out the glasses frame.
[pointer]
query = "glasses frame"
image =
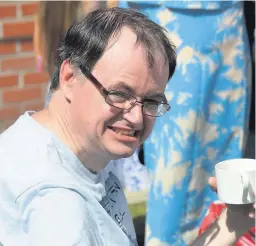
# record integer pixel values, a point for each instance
(106, 92)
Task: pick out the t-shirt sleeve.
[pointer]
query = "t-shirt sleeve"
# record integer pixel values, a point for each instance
(59, 216)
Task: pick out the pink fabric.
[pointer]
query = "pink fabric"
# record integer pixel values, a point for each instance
(248, 239)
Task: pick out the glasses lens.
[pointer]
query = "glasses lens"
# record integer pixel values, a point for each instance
(155, 108)
(120, 100)
(125, 101)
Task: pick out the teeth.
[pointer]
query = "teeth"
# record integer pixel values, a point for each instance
(124, 132)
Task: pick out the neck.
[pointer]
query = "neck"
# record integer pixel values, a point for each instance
(57, 119)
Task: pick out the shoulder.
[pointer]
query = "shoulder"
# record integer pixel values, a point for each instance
(57, 200)
(28, 157)
(59, 215)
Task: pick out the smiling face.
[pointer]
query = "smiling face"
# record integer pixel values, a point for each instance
(123, 67)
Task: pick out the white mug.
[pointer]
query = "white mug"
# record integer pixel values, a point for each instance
(236, 181)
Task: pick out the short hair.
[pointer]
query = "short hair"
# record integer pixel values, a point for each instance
(86, 40)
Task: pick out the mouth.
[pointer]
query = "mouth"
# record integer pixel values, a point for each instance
(123, 132)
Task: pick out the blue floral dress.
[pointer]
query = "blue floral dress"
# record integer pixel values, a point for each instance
(209, 95)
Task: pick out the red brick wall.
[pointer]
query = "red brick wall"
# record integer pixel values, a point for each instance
(21, 86)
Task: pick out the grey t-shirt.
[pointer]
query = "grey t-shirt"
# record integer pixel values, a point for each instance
(49, 198)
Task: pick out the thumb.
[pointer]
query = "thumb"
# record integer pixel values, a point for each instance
(213, 183)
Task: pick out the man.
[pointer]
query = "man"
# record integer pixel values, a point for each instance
(108, 89)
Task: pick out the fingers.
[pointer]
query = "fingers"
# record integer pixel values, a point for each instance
(252, 214)
(212, 182)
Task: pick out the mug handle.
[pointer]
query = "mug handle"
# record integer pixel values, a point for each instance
(245, 183)
(248, 192)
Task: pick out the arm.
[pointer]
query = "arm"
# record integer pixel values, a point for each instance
(37, 36)
(225, 231)
(57, 216)
(112, 3)
(89, 6)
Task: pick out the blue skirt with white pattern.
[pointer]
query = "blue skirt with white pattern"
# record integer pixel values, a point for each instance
(209, 95)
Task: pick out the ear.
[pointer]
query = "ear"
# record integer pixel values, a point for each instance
(66, 79)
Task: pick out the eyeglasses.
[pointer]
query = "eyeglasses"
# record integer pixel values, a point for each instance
(125, 101)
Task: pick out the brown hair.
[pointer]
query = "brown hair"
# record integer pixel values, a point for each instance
(87, 40)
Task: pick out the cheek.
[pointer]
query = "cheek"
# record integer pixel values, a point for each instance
(104, 115)
(93, 112)
(89, 101)
(84, 109)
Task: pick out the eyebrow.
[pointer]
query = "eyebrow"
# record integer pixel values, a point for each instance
(123, 85)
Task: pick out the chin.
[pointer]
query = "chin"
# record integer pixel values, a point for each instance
(118, 153)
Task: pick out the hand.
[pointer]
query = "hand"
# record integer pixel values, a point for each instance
(244, 209)
(213, 183)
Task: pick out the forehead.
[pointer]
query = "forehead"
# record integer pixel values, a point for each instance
(126, 61)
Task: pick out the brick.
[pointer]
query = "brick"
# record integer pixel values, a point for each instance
(34, 78)
(7, 11)
(34, 106)
(21, 95)
(7, 48)
(8, 81)
(26, 46)
(18, 29)
(9, 113)
(29, 9)
(18, 64)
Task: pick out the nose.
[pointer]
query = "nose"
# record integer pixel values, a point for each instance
(134, 115)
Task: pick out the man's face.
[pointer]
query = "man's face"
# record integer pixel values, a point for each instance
(123, 67)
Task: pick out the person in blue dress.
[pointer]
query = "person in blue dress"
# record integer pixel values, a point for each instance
(209, 95)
